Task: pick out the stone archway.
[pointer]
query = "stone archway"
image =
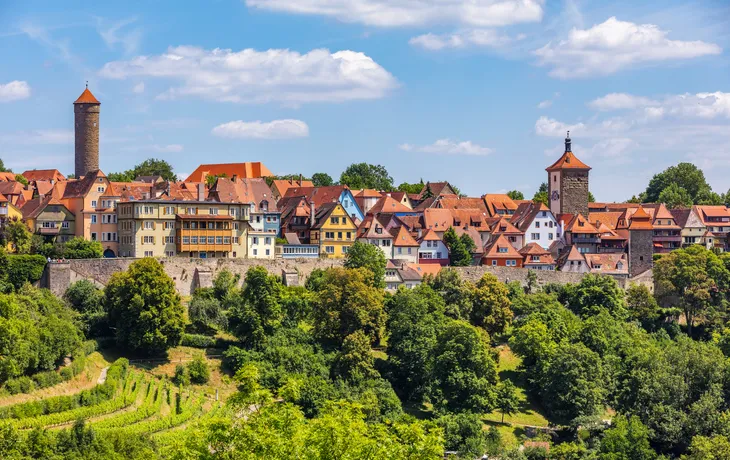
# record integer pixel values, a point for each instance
(109, 254)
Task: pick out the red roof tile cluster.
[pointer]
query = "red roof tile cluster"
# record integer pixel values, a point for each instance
(568, 161)
(248, 170)
(43, 174)
(87, 98)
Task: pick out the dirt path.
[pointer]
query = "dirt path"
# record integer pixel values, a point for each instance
(102, 376)
(83, 381)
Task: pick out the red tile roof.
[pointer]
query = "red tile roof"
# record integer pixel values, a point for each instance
(44, 174)
(568, 161)
(255, 191)
(580, 224)
(403, 237)
(640, 220)
(87, 98)
(609, 218)
(497, 243)
(498, 202)
(318, 195)
(430, 236)
(248, 170)
(7, 177)
(534, 249)
(387, 204)
(282, 185)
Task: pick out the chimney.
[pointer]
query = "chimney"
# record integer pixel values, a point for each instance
(233, 179)
(311, 214)
(201, 191)
(300, 179)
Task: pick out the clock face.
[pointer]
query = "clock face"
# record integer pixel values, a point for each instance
(556, 196)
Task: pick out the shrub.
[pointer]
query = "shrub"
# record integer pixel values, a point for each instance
(198, 341)
(67, 374)
(47, 379)
(25, 268)
(182, 377)
(18, 385)
(198, 370)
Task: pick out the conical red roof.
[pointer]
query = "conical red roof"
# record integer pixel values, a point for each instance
(568, 161)
(87, 98)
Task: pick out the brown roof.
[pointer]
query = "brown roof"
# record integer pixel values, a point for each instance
(33, 208)
(44, 174)
(403, 237)
(534, 249)
(504, 227)
(323, 212)
(79, 188)
(437, 188)
(2, 198)
(640, 220)
(87, 98)
(681, 216)
(608, 263)
(248, 170)
(398, 196)
(43, 186)
(373, 226)
(128, 190)
(497, 242)
(609, 218)
(430, 236)
(575, 254)
(255, 191)
(462, 203)
(7, 176)
(580, 224)
(367, 193)
(498, 202)
(282, 185)
(387, 204)
(11, 188)
(526, 213)
(568, 161)
(317, 195)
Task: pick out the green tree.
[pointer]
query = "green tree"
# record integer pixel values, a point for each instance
(464, 433)
(17, 235)
(322, 180)
(87, 299)
(258, 313)
(675, 196)
(695, 278)
(595, 292)
(684, 175)
(459, 255)
(20, 178)
(414, 188)
(415, 318)
(591, 198)
(541, 196)
(363, 175)
(198, 370)
(491, 305)
(464, 372)
(79, 248)
(348, 302)
(213, 178)
(3, 168)
(363, 255)
(507, 400)
(641, 304)
(708, 448)
(181, 376)
(516, 195)
(571, 383)
(354, 361)
(627, 438)
(149, 167)
(144, 308)
(456, 294)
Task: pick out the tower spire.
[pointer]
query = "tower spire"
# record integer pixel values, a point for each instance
(568, 147)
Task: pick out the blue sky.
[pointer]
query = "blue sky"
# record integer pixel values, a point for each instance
(477, 92)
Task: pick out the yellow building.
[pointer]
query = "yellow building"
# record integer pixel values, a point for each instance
(167, 228)
(8, 211)
(50, 218)
(333, 230)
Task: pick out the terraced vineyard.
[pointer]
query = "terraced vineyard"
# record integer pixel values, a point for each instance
(130, 401)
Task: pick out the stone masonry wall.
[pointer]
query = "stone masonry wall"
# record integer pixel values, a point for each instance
(641, 249)
(86, 134)
(190, 273)
(575, 192)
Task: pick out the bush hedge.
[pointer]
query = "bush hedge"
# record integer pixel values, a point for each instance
(25, 268)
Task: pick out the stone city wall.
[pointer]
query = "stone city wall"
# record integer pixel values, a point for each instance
(188, 274)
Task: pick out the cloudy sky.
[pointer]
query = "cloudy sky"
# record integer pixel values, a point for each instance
(477, 92)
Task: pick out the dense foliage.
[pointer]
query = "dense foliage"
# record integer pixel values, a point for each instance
(363, 175)
(149, 167)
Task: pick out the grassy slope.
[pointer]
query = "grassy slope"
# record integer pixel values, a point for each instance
(528, 414)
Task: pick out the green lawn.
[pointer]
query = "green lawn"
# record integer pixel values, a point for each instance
(528, 414)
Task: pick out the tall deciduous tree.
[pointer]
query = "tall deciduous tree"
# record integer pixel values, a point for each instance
(695, 277)
(363, 175)
(684, 175)
(79, 248)
(516, 195)
(595, 292)
(348, 302)
(144, 309)
(258, 313)
(322, 180)
(149, 167)
(464, 372)
(491, 304)
(459, 255)
(414, 188)
(675, 196)
(541, 196)
(363, 255)
(508, 401)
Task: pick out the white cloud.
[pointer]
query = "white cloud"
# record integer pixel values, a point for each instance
(14, 91)
(461, 39)
(448, 147)
(39, 137)
(694, 126)
(251, 76)
(276, 129)
(545, 104)
(620, 101)
(615, 45)
(117, 33)
(394, 13)
(138, 88)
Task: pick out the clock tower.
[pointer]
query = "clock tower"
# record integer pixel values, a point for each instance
(568, 183)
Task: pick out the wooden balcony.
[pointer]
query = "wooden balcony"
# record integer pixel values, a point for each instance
(202, 240)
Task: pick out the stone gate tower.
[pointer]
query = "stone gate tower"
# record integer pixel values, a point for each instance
(86, 129)
(641, 245)
(568, 183)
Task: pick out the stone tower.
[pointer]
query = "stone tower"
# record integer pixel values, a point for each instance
(86, 129)
(641, 245)
(568, 183)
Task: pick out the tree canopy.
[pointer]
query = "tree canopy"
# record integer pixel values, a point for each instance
(149, 167)
(322, 180)
(368, 256)
(516, 195)
(364, 175)
(459, 254)
(681, 185)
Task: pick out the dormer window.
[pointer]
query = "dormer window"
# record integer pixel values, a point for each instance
(580, 224)
(502, 249)
(264, 205)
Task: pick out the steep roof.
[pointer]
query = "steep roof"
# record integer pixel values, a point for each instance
(255, 191)
(499, 248)
(640, 220)
(403, 237)
(504, 227)
(87, 98)
(43, 174)
(608, 263)
(322, 214)
(33, 208)
(11, 188)
(568, 161)
(282, 185)
(681, 216)
(526, 213)
(580, 224)
(430, 235)
(317, 195)
(3, 199)
(535, 250)
(409, 274)
(248, 170)
(498, 202)
(79, 188)
(373, 226)
(437, 188)
(575, 254)
(387, 204)
(449, 202)
(7, 177)
(609, 218)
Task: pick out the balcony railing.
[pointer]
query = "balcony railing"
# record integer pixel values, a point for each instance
(667, 238)
(586, 239)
